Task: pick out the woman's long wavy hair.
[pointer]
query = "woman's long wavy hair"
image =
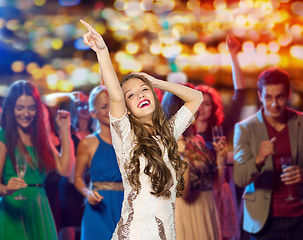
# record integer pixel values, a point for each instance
(146, 144)
(217, 114)
(36, 130)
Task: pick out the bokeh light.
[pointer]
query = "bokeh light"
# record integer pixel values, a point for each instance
(67, 2)
(43, 39)
(18, 66)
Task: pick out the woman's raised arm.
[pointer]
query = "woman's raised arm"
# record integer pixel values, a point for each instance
(234, 46)
(66, 158)
(190, 96)
(95, 41)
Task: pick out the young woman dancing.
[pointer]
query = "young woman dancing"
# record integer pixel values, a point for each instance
(145, 145)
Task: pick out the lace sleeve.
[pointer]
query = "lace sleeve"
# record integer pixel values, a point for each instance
(120, 132)
(120, 128)
(181, 121)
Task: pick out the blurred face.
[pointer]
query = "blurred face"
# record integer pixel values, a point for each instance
(101, 112)
(139, 99)
(25, 111)
(274, 98)
(82, 108)
(205, 109)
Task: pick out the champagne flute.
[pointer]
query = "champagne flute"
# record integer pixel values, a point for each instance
(21, 164)
(285, 163)
(217, 134)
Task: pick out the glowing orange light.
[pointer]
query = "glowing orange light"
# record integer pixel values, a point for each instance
(65, 86)
(219, 4)
(296, 30)
(193, 4)
(297, 51)
(31, 67)
(18, 66)
(37, 74)
(284, 40)
(132, 47)
(273, 47)
(248, 47)
(155, 48)
(199, 48)
(241, 20)
(261, 48)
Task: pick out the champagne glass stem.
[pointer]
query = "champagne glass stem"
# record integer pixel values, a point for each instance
(21, 165)
(20, 194)
(286, 162)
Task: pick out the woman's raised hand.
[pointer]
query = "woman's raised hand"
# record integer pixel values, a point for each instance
(233, 44)
(63, 119)
(221, 147)
(92, 38)
(154, 81)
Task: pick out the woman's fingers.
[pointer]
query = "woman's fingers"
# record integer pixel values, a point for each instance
(92, 38)
(16, 183)
(97, 196)
(63, 114)
(88, 40)
(88, 37)
(94, 198)
(88, 27)
(85, 39)
(63, 118)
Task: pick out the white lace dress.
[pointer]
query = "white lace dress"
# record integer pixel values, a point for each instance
(145, 216)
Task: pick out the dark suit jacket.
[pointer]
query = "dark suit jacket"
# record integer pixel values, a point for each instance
(257, 196)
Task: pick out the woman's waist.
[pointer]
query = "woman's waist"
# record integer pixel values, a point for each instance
(39, 185)
(113, 186)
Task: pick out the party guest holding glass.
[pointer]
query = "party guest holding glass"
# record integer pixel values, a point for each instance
(211, 115)
(274, 132)
(196, 212)
(23, 133)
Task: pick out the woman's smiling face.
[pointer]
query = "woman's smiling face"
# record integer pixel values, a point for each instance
(206, 108)
(25, 111)
(139, 99)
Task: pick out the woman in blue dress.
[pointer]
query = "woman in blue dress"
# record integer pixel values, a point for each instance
(96, 153)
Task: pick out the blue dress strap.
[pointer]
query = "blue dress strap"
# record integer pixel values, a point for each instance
(97, 135)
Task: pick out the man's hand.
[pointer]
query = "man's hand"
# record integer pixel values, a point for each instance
(266, 148)
(292, 175)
